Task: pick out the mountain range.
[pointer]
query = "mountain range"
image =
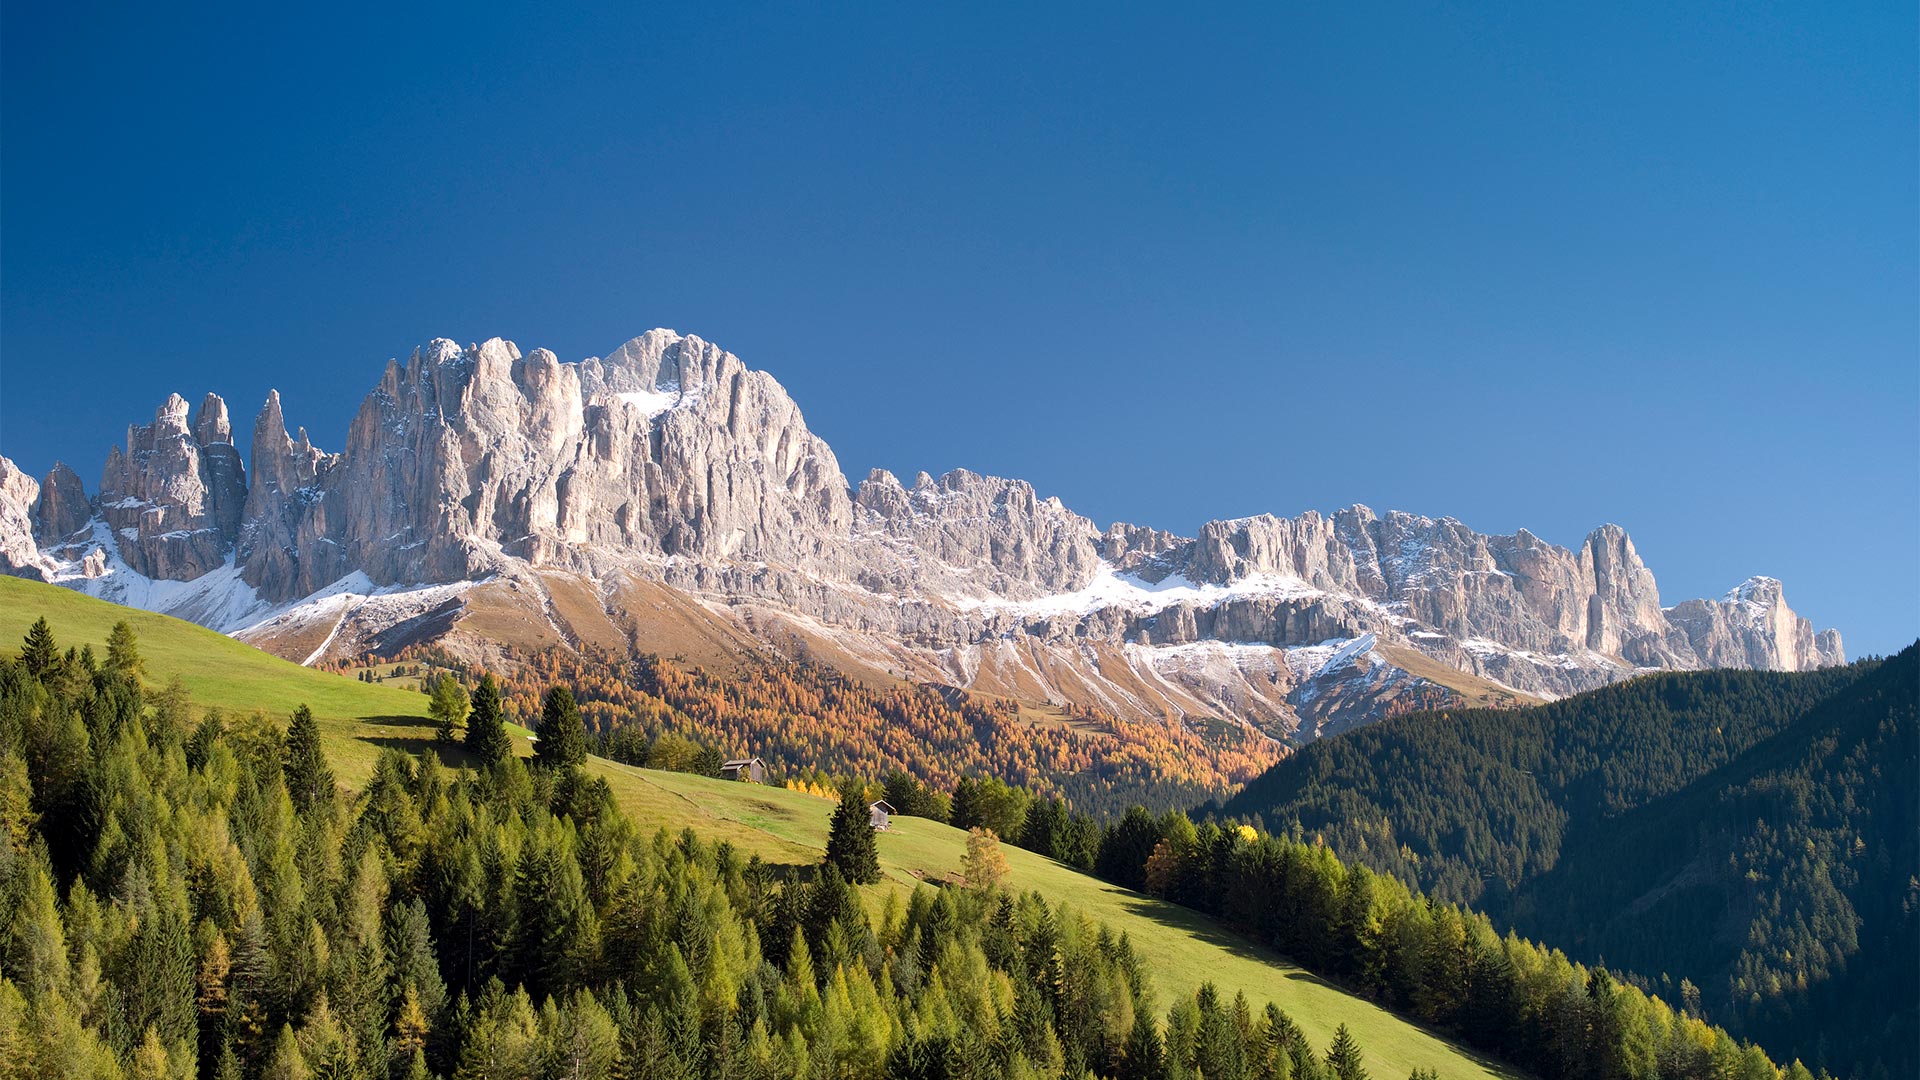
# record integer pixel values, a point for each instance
(669, 499)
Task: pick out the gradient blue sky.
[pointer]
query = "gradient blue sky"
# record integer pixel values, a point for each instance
(1653, 264)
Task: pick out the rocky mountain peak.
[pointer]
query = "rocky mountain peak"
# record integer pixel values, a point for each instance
(1752, 626)
(1759, 590)
(211, 426)
(174, 500)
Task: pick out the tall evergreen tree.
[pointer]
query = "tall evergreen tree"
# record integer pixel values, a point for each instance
(487, 737)
(309, 779)
(850, 845)
(1146, 1059)
(123, 651)
(39, 653)
(563, 734)
(1343, 1057)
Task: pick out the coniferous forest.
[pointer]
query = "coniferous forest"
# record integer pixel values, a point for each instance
(1748, 841)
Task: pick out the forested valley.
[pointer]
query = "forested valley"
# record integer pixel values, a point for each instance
(1749, 841)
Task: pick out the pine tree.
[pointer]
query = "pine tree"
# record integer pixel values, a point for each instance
(309, 780)
(851, 847)
(410, 1026)
(409, 947)
(123, 651)
(487, 738)
(285, 1062)
(563, 734)
(40, 654)
(1343, 1057)
(1146, 1059)
(449, 707)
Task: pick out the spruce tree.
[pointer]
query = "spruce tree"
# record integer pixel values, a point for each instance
(39, 654)
(487, 738)
(309, 780)
(285, 1062)
(1343, 1057)
(563, 734)
(123, 651)
(850, 846)
(1145, 1059)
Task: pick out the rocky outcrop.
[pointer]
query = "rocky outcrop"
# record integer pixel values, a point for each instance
(670, 462)
(1752, 627)
(19, 553)
(967, 535)
(63, 508)
(281, 547)
(175, 495)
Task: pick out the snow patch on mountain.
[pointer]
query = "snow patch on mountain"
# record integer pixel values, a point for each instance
(353, 600)
(219, 599)
(652, 403)
(1113, 588)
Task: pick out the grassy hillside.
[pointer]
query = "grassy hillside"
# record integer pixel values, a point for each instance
(1181, 949)
(218, 671)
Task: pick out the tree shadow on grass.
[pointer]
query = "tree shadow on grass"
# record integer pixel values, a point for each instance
(1202, 929)
(409, 722)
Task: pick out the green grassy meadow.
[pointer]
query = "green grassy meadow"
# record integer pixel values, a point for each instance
(1180, 948)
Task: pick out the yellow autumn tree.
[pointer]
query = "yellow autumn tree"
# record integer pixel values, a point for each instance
(984, 867)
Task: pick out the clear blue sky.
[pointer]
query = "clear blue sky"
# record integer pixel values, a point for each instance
(1525, 267)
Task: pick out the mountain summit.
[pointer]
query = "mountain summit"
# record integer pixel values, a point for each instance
(668, 498)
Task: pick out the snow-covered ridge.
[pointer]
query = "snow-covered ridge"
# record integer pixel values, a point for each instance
(1112, 588)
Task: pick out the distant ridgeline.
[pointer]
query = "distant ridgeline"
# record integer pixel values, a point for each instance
(1751, 839)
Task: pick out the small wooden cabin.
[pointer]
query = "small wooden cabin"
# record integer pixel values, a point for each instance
(752, 770)
(881, 812)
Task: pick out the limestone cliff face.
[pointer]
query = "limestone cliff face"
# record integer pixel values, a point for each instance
(670, 462)
(63, 508)
(462, 458)
(19, 553)
(285, 548)
(967, 535)
(1752, 627)
(174, 496)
